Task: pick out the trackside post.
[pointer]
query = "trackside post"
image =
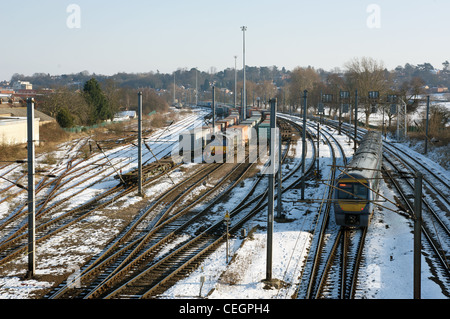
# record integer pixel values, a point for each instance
(272, 150)
(417, 234)
(305, 97)
(31, 192)
(140, 193)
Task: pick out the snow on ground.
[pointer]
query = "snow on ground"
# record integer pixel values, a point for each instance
(53, 256)
(386, 269)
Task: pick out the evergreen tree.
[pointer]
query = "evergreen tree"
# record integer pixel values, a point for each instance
(98, 103)
(64, 118)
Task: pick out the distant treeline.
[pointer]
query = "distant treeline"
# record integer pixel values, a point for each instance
(224, 79)
(95, 103)
(86, 99)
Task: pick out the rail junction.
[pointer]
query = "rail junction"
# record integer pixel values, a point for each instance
(170, 235)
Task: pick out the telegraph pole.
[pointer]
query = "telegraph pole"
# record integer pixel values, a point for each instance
(31, 191)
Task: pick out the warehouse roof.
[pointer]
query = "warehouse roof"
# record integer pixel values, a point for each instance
(22, 112)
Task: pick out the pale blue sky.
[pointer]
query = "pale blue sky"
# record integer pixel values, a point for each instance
(141, 36)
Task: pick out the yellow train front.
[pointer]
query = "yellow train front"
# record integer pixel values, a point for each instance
(217, 149)
(353, 202)
(356, 188)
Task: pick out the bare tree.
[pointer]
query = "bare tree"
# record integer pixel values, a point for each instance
(112, 94)
(265, 90)
(63, 98)
(365, 75)
(301, 79)
(250, 87)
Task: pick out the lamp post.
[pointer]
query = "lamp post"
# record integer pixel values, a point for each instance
(244, 103)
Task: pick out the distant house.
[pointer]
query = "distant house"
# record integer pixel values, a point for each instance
(22, 85)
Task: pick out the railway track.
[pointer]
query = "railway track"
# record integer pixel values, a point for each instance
(202, 240)
(13, 244)
(247, 212)
(163, 230)
(17, 244)
(320, 255)
(329, 241)
(158, 277)
(59, 172)
(344, 256)
(399, 169)
(434, 221)
(332, 264)
(70, 169)
(47, 225)
(126, 246)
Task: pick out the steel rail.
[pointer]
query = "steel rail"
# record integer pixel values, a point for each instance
(240, 207)
(119, 246)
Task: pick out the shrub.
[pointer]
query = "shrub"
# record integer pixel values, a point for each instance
(64, 118)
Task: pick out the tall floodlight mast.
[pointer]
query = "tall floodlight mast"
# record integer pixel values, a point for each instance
(244, 103)
(235, 80)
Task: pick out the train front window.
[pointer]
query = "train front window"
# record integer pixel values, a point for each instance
(354, 191)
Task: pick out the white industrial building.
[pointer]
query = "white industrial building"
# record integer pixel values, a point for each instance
(13, 125)
(13, 130)
(22, 85)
